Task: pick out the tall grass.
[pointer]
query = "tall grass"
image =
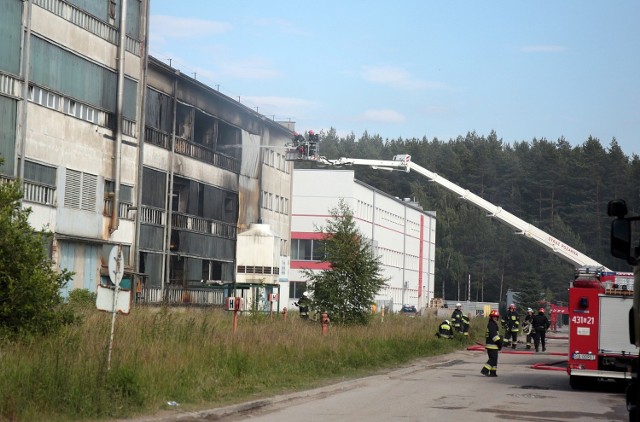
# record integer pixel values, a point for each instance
(192, 356)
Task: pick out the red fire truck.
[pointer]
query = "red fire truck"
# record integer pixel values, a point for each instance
(599, 299)
(599, 347)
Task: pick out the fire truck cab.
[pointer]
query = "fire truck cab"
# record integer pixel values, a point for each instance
(599, 303)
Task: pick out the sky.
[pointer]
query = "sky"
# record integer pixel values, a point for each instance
(437, 69)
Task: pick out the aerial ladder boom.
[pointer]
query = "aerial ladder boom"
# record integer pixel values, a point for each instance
(403, 163)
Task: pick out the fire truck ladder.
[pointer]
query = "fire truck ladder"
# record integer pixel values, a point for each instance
(403, 163)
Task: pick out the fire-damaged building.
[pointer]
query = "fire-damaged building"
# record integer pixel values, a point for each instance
(115, 148)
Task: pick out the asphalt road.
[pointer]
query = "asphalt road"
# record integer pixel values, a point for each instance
(448, 387)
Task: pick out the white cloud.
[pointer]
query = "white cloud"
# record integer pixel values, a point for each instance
(382, 116)
(397, 78)
(543, 49)
(170, 27)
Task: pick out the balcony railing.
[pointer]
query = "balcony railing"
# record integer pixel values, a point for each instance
(41, 194)
(35, 192)
(203, 225)
(150, 215)
(123, 209)
(182, 296)
(88, 22)
(191, 149)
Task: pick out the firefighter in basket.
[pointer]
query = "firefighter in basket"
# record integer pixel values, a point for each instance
(493, 345)
(303, 303)
(511, 324)
(527, 327)
(456, 318)
(445, 330)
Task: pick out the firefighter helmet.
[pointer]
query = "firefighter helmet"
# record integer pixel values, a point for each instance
(458, 305)
(494, 313)
(541, 310)
(512, 306)
(305, 294)
(529, 310)
(446, 321)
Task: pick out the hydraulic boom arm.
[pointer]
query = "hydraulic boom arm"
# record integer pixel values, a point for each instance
(403, 163)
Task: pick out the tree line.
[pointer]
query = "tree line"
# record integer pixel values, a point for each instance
(559, 188)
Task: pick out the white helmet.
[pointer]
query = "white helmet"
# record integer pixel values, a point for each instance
(529, 310)
(305, 294)
(446, 321)
(458, 305)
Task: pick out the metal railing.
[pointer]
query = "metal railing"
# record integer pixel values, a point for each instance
(150, 215)
(88, 22)
(203, 225)
(38, 193)
(191, 149)
(123, 209)
(182, 296)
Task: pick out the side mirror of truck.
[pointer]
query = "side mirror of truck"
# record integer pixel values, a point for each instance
(623, 232)
(621, 240)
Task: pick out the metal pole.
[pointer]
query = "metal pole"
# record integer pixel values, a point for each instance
(141, 139)
(115, 302)
(166, 253)
(26, 63)
(117, 171)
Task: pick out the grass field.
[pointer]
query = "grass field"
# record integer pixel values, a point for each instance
(193, 357)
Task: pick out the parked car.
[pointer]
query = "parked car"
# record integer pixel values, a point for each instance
(409, 310)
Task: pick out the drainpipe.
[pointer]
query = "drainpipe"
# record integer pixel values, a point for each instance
(141, 135)
(26, 63)
(404, 255)
(166, 264)
(115, 205)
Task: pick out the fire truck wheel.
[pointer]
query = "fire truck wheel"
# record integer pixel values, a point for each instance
(580, 383)
(632, 396)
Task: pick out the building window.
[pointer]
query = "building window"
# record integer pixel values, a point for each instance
(296, 288)
(307, 250)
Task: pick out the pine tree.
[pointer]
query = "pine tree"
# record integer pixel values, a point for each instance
(347, 289)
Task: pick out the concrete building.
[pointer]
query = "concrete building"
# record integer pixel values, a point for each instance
(402, 234)
(116, 148)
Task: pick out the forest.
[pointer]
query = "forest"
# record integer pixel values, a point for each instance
(562, 189)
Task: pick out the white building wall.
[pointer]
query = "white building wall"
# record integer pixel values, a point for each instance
(393, 225)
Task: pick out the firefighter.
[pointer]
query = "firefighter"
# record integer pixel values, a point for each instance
(527, 327)
(493, 345)
(456, 318)
(314, 138)
(466, 324)
(445, 330)
(540, 326)
(297, 139)
(303, 303)
(511, 324)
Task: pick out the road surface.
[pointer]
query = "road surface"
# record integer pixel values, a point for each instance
(444, 388)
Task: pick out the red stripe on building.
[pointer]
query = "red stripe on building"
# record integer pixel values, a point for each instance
(306, 235)
(309, 265)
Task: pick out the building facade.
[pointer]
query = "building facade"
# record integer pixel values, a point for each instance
(401, 233)
(113, 147)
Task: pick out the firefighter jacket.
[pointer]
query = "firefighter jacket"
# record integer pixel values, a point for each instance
(527, 327)
(511, 322)
(540, 322)
(456, 319)
(445, 330)
(493, 341)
